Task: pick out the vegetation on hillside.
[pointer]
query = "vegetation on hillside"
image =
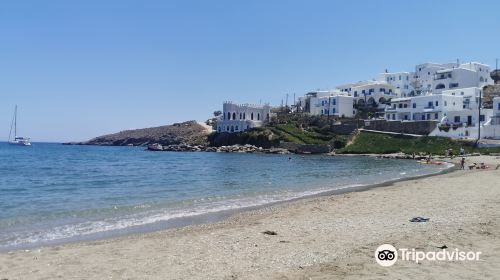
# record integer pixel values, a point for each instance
(293, 128)
(376, 143)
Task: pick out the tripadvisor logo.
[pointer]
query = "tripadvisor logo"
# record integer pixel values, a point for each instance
(387, 255)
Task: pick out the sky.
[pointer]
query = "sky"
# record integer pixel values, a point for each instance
(84, 68)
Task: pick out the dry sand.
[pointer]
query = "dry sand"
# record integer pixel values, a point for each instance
(327, 237)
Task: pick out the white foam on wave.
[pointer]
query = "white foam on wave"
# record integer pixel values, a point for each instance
(203, 206)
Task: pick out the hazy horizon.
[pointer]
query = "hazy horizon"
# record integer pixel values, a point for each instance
(81, 69)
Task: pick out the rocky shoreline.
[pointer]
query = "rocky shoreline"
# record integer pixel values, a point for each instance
(222, 149)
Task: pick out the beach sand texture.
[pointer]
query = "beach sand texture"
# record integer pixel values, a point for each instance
(330, 237)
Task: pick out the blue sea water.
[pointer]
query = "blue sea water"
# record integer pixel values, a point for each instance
(51, 193)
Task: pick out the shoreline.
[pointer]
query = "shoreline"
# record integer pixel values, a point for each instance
(330, 236)
(217, 216)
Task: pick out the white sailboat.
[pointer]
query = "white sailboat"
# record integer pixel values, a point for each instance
(17, 140)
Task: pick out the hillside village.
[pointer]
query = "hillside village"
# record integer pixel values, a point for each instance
(459, 101)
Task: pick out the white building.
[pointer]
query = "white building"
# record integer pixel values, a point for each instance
(237, 118)
(420, 108)
(401, 81)
(372, 93)
(330, 103)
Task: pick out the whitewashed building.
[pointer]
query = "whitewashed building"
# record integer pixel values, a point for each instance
(421, 108)
(401, 81)
(372, 93)
(238, 118)
(330, 103)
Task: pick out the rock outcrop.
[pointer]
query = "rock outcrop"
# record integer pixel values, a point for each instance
(186, 133)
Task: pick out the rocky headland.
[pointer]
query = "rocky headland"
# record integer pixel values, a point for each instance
(185, 133)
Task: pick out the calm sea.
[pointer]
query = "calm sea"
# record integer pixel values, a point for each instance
(50, 193)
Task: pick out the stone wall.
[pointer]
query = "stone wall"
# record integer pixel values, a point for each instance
(414, 127)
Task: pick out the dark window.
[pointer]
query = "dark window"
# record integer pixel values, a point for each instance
(258, 116)
(440, 86)
(481, 118)
(405, 105)
(400, 105)
(437, 103)
(436, 116)
(453, 85)
(251, 116)
(228, 115)
(414, 105)
(457, 119)
(234, 116)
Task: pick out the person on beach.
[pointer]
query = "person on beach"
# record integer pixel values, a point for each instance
(462, 163)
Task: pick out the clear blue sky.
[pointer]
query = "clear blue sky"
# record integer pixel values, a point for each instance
(79, 69)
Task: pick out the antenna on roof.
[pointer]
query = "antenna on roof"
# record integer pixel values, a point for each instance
(458, 62)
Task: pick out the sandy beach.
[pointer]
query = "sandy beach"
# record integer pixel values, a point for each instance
(329, 237)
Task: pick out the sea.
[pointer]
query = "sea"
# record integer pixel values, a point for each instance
(53, 194)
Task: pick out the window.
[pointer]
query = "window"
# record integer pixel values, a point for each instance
(251, 116)
(400, 105)
(393, 116)
(234, 116)
(333, 111)
(241, 115)
(405, 105)
(445, 103)
(437, 103)
(355, 93)
(436, 116)
(244, 116)
(406, 117)
(400, 77)
(428, 116)
(363, 92)
(236, 128)
(414, 105)
(429, 104)
(258, 116)
(453, 85)
(440, 86)
(382, 89)
(498, 106)
(481, 118)
(228, 115)
(334, 101)
(423, 117)
(457, 119)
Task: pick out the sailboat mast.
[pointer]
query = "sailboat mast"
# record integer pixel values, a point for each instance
(15, 122)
